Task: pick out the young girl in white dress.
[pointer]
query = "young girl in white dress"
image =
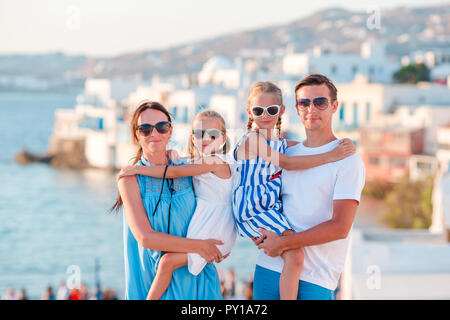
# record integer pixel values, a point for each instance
(257, 182)
(211, 177)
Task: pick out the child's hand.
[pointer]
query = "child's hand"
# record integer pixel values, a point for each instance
(345, 149)
(127, 171)
(173, 154)
(258, 240)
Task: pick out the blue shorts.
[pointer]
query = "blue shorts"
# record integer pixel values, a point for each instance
(266, 286)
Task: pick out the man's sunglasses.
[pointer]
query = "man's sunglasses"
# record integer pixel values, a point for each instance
(320, 103)
(271, 110)
(212, 133)
(147, 129)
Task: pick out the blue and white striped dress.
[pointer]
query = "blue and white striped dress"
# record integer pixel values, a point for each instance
(256, 193)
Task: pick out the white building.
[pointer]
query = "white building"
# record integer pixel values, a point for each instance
(158, 93)
(184, 104)
(97, 118)
(441, 73)
(372, 63)
(430, 58)
(441, 191)
(430, 117)
(362, 103)
(443, 152)
(106, 92)
(220, 71)
(396, 265)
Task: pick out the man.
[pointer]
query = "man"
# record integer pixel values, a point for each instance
(320, 203)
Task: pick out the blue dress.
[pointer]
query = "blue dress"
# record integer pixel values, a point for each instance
(141, 263)
(256, 195)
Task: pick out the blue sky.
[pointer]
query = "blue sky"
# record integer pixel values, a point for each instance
(111, 27)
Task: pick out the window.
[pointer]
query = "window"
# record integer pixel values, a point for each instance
(444, 146)
(424, 166)
(244, 117)
(398, 137)
(333, 69)
(174, 112)
(397, 162)
(368, 106)
(355, 114)
(199, 108)
(342, 112)
(185, 115)
(374, 161)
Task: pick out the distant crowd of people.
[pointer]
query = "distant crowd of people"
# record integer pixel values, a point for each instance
(229, 288)
(227, 281)
(64, 293)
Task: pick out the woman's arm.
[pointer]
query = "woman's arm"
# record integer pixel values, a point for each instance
(258, 146)
(205, 165)
(139, 224)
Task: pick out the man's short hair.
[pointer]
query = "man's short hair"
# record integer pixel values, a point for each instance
(317, 80)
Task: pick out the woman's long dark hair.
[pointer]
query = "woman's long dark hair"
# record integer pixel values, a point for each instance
(134, 120)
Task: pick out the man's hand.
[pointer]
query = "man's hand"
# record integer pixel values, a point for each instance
(271, 244)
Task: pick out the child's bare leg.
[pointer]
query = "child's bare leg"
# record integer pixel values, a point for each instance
(293, 263)
(168, 263)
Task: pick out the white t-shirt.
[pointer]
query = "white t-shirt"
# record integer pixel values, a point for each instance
(308, 201)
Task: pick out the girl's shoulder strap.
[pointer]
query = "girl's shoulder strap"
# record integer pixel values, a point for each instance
(283, 145)
(238, 144)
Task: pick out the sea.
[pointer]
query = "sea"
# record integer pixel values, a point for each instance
(55, 225)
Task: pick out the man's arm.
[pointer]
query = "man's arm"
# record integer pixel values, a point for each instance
(336, 228)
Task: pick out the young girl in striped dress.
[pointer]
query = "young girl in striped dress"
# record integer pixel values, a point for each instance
(257, 178)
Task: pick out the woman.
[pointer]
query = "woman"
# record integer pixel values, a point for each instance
(157, 215)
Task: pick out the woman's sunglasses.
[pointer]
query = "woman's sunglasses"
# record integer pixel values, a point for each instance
(271, 110)
(320, 103)
(212, 133)
(147, 129)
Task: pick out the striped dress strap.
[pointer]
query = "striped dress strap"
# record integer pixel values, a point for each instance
(241, 140)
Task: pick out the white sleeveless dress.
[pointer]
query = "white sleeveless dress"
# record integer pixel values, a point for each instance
(213, 216)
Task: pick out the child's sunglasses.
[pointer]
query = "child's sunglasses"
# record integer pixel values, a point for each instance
(212, 133)
(271, 110)
(147, 129)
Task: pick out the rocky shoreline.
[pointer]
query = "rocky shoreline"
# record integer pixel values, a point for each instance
(62, 153)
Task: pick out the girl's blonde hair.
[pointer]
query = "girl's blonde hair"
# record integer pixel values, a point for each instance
(210, 114)
(264, 87)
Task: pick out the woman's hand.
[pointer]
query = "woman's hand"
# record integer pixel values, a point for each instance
(345, 149)
(209, 251)
(128, 171)
(225, 256)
